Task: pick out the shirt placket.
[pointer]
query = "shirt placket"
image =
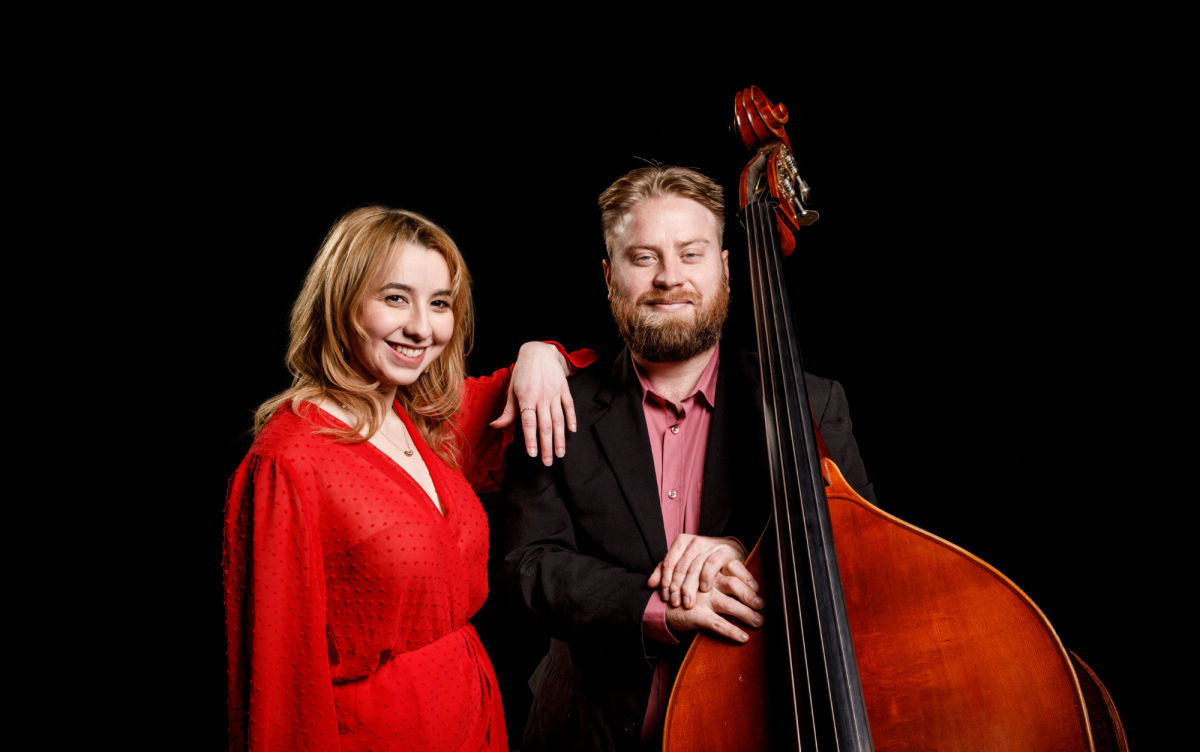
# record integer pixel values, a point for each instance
(674, 491)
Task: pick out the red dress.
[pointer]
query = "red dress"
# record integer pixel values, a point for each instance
(347, 593)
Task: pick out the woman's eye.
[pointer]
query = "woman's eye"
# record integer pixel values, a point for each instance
(396, 299)
(441, 304)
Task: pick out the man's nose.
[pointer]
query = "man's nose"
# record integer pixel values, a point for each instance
(670, 273)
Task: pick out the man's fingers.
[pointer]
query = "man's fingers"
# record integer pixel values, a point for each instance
(687, 551)
(691, 582)
(712, 568)
(668, 563)
(710, 618)
(723, 604)
(680, 573)
(702, 572)
(655, 577)
(738, 569)
(737, 587)
(668, 571)
(725, 628)
(700, 552)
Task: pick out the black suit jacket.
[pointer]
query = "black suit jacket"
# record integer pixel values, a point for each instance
(584, 535)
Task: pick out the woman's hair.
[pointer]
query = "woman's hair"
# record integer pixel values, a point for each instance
(327, 316)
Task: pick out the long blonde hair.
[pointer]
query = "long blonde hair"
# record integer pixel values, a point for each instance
(328, 314)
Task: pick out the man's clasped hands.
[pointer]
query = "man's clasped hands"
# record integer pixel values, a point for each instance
(704, 579)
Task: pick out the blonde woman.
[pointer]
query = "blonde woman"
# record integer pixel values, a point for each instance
(355, 547)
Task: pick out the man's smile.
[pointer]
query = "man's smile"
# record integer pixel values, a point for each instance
(669, 305)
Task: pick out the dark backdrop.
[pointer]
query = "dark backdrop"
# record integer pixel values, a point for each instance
(967, 283)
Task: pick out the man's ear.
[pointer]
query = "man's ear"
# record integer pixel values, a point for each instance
(608, 275)
(725, 260)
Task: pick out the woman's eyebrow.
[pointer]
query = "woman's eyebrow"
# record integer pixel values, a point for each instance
(409, 289)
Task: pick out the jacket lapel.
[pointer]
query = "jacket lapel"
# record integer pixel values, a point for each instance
(622, 435)
(736, 423)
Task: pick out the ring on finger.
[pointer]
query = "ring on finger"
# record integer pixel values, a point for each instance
(523, 409)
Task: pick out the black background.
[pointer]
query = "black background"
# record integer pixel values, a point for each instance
(972, 282)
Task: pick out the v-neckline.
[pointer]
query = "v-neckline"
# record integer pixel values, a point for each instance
(389, 463)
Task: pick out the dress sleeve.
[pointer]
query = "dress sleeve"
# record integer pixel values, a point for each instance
(483, 399)
(280, 691)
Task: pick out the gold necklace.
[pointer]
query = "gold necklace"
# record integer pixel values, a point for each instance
(407, 452)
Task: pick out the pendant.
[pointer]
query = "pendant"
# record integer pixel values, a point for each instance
(408, 452)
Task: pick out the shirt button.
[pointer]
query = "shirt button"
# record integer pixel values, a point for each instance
(674, 429)
(671, 495)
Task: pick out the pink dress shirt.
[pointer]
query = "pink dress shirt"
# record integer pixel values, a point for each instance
(679, 440)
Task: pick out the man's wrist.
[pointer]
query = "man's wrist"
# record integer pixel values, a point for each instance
(738, 544)
(654, 621)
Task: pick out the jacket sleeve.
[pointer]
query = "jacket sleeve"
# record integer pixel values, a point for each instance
(578, 597)
(280, 692)
(833, 421)
(483, 447)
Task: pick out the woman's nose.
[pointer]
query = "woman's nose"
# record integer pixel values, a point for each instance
(418, 326)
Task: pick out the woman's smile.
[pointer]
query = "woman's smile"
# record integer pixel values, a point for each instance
(408, 355)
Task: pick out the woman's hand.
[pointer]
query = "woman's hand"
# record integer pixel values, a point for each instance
(538, 393)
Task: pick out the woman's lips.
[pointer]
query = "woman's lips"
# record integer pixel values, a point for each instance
(409, 356)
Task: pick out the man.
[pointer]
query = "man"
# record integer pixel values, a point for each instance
(637, 537)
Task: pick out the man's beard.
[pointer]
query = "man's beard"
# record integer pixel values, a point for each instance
(669, 336)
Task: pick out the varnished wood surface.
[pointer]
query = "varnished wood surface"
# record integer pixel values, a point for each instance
(951, 654)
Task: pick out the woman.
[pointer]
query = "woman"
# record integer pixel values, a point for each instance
(355, 548)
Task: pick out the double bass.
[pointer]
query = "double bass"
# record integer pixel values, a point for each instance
(878, 635)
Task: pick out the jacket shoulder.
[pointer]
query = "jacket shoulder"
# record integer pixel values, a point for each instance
(821, 391)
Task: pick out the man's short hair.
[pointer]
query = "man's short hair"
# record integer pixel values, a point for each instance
(650, 182)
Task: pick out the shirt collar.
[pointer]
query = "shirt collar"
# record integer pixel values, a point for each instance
(707, 385)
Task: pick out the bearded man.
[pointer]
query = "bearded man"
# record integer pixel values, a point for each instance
(637, 536)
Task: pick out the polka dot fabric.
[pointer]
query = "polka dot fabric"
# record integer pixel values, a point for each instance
(347, 593)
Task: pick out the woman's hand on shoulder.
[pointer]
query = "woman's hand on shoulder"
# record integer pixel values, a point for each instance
(539, 395)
